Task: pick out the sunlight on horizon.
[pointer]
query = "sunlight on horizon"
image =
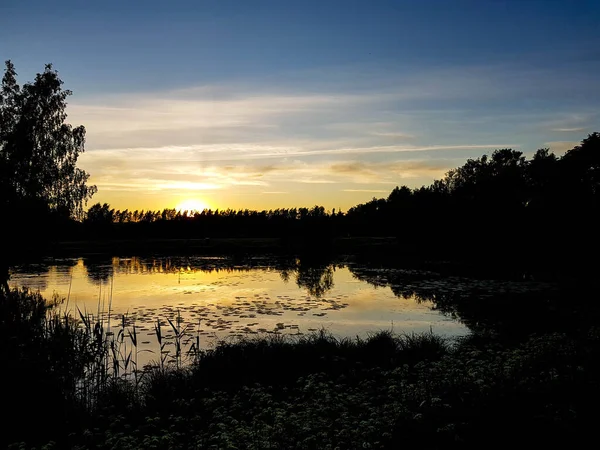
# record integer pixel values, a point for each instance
(192, 205)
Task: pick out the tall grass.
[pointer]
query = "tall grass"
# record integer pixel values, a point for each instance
(76, 381)
(276, 359)
(93, 357)
(74, 364)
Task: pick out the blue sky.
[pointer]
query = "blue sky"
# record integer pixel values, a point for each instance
(281, 103)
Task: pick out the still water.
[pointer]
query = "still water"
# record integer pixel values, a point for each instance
(220, 298)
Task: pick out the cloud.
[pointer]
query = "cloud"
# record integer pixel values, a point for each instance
(419, 169)
(168, 119)
(571, 122)
(393, 135)
(395, 109)
(149, 170)
(390, 172)
(568, 130)
(184, 186)
(352, 168)
(206, 154)
(561, 147)
(366, 190)
(360, 135)
(315, 181)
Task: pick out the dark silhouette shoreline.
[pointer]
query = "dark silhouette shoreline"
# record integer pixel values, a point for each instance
(539, 214)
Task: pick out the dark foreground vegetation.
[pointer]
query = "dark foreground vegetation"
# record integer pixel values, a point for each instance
(63, 388)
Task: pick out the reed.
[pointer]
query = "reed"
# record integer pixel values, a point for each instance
(80, 386)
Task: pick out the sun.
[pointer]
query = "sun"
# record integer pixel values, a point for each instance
(192, 205)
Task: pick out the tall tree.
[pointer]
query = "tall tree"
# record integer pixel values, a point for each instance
(38, 149)
(38, 159)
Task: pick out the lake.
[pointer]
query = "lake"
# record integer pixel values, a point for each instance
(217, 298)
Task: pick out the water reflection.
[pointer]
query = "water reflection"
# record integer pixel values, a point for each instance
(36, 276)
(221, 297)
(481, 305)
(98, 269)
(508, 308)
(232, 294)
(312, 274)
(316, 280)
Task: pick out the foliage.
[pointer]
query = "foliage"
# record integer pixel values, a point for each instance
(38, 149)
(302, 392)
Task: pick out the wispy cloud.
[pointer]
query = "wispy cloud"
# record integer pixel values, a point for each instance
(393, 135)
(259, 139)
(390, 108)
(569, 130)
(561, 147)
(145, 172)
(314, 181)
(572, 122)
(389, 171)
(366, 190)
(112, 158)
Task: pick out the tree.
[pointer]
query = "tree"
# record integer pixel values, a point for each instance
(38, 149)
(100, 215)
(582, 169)
(543, 178)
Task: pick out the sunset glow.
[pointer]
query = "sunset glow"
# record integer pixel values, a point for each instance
(192, 205)
(270, 116)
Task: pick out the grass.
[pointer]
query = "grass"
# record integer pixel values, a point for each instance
(75, 384)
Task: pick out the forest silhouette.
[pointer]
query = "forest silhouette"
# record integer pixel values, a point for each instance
(503, 206)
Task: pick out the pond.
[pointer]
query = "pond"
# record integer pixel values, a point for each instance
(214, 298)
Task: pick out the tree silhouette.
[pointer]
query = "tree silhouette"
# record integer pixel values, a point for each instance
(39, 179)
(38, 150)
(99, 268)
(582, 170)
(102, 215)
(314, 276)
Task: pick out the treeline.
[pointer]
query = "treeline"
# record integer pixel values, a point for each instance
(103, 213)
(503, 204)
(103, 221)
(495, 206)
(500, 203)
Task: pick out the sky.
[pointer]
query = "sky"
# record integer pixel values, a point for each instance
(267, 104)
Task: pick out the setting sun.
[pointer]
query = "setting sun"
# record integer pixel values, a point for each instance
(192, 205)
